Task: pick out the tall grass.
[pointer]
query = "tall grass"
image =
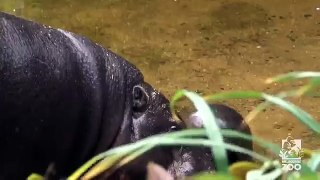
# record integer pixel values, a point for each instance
(117, 157)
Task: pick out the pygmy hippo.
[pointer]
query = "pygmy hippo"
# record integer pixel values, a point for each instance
(190, 159)
(64, 99)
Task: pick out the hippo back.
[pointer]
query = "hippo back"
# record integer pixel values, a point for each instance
(60, 94)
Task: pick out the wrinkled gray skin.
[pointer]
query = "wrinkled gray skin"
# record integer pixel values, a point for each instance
(199, 159)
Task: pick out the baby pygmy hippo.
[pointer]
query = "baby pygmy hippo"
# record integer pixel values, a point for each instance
(227, 118)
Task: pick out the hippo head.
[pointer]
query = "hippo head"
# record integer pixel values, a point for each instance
(150, 115)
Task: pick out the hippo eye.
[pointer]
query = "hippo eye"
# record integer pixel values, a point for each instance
(140, 99)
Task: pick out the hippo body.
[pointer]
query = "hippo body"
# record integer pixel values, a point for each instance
(64, 98)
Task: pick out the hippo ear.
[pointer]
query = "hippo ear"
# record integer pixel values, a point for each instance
(140, 99)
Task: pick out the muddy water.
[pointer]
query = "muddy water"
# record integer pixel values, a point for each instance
(204, 45)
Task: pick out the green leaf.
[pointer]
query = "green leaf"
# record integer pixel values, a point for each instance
(263, 143)
(211, 130)
(234, 95)
(176, 97)
(314, 162)
(209, 143)
(258, 174)
(301, 115)
(306, 170)
(240, 169)
(314, 82)
(35, 176)
(210, 176)
(266, 104)
(125, 149)
(293, 76)
(103, 165)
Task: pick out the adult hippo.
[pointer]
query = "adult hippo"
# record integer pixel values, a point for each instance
(64, 99)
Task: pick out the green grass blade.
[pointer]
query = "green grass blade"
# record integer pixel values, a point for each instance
(175, 138)
(209, 143)
(77, 174)
(226, 133)
(174, 135)
(35, 176)
(116, 161)
(235, 134)
(234, 95)
(314, 162)
(306, 170)
(118, 150)
(176, 97)
(129, 148)
(261, 173)
(211, 176)
(314, 83)
(301, 115)
(262, 106)
(293, 76)
(136, 154)
(103, 165)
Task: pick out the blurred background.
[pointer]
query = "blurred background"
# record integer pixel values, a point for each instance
(207, 46)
